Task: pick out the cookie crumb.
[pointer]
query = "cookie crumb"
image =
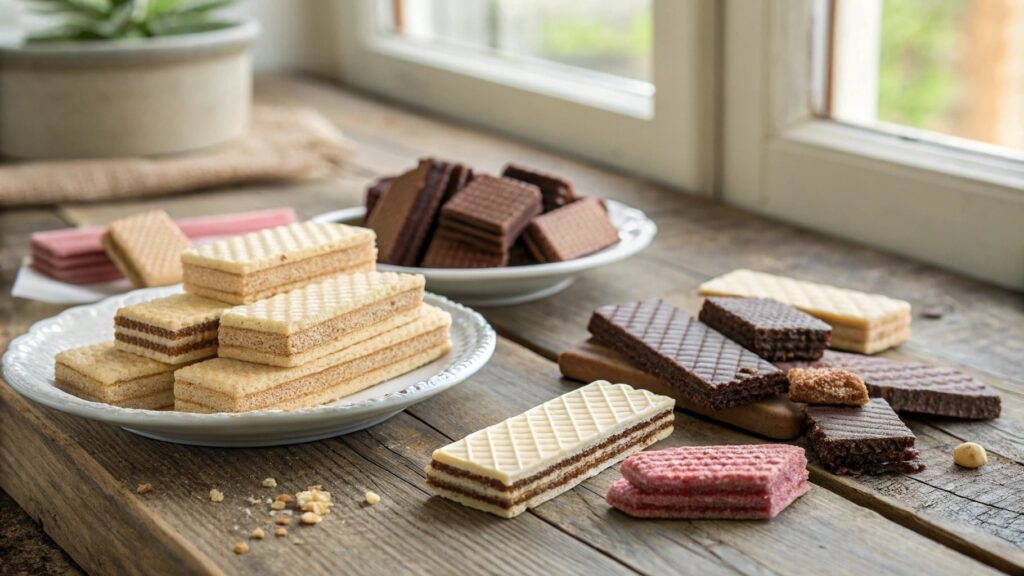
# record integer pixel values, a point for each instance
(144, 488)
(372, 498)
(269, 483)
(282, 521)
(970, 455)
(257, 534)
(315, 500)
(286, 498)
(280, 532)
(277, 505)
(216, 495)
(310, 518)
(241, 548)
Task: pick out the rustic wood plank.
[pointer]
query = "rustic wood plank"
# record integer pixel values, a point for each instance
(25, 548)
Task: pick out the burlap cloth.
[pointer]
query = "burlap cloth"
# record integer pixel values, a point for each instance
(282, 144)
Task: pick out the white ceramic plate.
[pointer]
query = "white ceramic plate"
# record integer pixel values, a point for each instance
(519, 284)
(28, 368)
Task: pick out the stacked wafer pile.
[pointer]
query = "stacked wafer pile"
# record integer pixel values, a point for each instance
(443, 215)
(316, 324)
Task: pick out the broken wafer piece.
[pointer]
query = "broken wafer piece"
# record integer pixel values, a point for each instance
(869, 439)
(177, 329)
(723, 482)
(228, 385)
(102, 373)
(490, 212)
(146, 248)
(311, 322)
(255, 266)
(555, 190)
(861, 322)
(701, 363)
(826, 386)
(404, 216)
(530, 458)
(572, 231)
(775, 331)
(776, 417)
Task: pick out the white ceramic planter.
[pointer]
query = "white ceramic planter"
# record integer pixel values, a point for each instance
(126, 98)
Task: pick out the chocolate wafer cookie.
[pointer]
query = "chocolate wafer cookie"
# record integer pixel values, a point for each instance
(403, 217)
(375, 191)
(556, 191)
(920, 388)
(445, 252)
(870, 439)
(708, 368)
(490, 212)
(570, 232)
(775, 331)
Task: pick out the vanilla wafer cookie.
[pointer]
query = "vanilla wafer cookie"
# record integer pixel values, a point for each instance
(861, 322)
(530, 458)
(102, 373)
(177, 329)
(146, 248)
(307, 323)
(244, 269)
(228, 385)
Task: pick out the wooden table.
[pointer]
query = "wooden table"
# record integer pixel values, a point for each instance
(78, 478)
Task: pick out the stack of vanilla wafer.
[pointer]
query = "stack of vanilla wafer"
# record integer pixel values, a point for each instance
(289, 317)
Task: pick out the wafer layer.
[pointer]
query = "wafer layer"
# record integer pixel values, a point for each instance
(869, 439)
(310, 322)
(547, 450)
(572, 231)
(773, 330)
(102, 373)
(228, 385)
(147, 248)
(177, 329)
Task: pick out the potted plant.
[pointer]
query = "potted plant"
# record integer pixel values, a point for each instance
(126, 77)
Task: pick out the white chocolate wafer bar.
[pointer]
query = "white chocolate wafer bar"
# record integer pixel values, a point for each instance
(861, 322)
(533, 457)
(251, 267)
(177, 329)
(228, 385)
(101, 373)
(311, 322)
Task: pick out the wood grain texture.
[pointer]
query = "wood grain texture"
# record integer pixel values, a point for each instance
(982, 329)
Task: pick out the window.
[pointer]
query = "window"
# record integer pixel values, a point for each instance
(950, 71)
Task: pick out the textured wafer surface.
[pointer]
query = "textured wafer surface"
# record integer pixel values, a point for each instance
(660, 338)
(495, 205)
(316, 303)
(107, 365)
(834, 305)
(548, 433)
(709, 468)
(874, 420)
(276, 246)
(405, 215)
(725, 506)
(175, 312)
(447, 252)
(147, 247)
(826, 386)
(921, 388)
(571, 231)
(588, 361)
(555, 190)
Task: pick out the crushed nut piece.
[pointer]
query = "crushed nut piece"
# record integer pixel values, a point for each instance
(277, 505)
(372, 498)
(241, 548)
(315, 500)
(144, 488)
(258, 534)
(270, 483)
(282, 521)
(279, 532)
(970, 455)
(310, 518)
(216, 495)
(286, 498)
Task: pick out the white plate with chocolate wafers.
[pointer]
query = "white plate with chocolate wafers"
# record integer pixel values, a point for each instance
(511, 285)
(28, 366)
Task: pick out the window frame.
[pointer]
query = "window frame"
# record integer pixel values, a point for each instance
(950, 206)
(669, 138)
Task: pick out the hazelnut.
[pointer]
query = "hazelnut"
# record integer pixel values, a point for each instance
(970, 455)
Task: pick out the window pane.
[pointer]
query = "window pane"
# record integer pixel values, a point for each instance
(609, 37)
(954, 67)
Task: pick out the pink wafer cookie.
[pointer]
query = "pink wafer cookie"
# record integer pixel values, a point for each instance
(727, 506)
(715, 468)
